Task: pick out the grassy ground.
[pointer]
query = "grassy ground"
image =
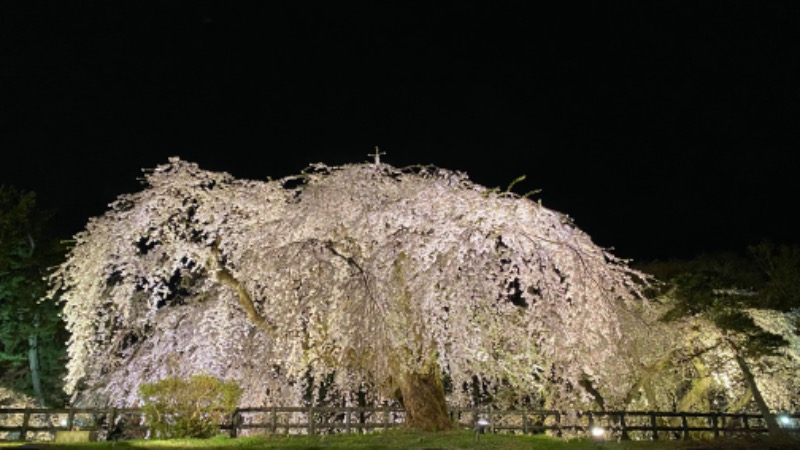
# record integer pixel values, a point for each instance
(407, 440)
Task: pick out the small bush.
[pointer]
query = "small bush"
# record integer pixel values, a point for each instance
(178, 408)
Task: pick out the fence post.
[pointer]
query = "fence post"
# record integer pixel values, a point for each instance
(715, 424)
(274, 420)
(685, 425)
(311, 429)
(525, 420)
(623, 427)
(347, 420)
(111, 419)
(234, 423)
(746, 421)
(558, 424)
(23, 433)
(654, 425)
(70, 418)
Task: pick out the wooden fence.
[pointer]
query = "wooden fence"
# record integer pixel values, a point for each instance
(42, 424)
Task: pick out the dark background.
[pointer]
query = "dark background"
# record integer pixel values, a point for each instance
(664, 129)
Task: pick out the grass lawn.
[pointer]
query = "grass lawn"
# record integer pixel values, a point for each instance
(411, 440)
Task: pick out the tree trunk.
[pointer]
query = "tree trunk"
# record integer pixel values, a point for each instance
(33, 363)
(772, 423)
(424, 403)
(586, 384)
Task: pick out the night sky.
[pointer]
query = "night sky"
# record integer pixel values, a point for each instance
(664, 129)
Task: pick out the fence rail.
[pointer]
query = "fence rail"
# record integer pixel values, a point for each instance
(22, 424)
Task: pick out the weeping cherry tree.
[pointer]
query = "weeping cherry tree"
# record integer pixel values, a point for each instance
(412, 285)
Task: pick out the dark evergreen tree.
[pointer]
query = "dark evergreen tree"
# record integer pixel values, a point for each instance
(32, 335)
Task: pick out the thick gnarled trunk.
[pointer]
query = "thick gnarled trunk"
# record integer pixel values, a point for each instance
(424, 402)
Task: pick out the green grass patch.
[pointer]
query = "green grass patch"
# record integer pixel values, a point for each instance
(413, 440)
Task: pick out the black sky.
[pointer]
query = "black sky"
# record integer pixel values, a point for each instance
(664, 129)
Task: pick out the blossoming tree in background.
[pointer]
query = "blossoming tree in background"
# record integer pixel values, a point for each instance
(411, 285)
(723, 335)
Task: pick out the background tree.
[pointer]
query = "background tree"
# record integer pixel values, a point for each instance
(32, 335)
(721, 310)
(779, 266)
(343, 280)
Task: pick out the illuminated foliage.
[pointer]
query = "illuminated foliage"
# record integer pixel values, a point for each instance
(178, 408)
(358, 278)
(719, 346)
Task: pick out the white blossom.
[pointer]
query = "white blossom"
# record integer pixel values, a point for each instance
(359, 272)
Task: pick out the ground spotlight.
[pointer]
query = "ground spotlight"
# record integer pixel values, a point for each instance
(480, 427)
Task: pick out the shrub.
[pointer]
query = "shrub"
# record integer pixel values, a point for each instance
(178, 408)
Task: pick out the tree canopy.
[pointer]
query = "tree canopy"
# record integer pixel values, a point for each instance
(357, 278)
(32, 335)
(728, 332)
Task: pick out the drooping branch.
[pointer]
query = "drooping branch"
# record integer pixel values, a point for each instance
(227, 278)
(701, 383)
(329, 245)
